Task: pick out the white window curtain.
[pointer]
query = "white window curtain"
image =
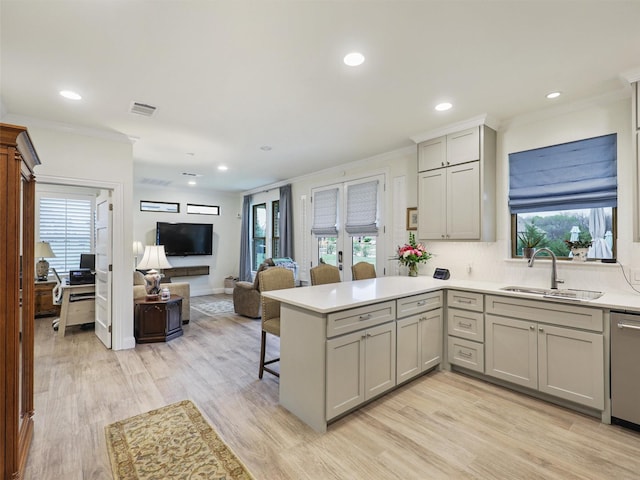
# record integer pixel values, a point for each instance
(325, 213)
(68, 225)
(362, 209)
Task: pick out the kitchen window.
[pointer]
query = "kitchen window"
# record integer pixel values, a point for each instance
(565, 192)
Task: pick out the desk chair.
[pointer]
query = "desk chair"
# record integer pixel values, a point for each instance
(274, 278)
(324, 273)
(57, 298)
(363, 270)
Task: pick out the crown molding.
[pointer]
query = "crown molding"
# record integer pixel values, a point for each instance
(484, 119)
(551, 112)
(68, 128)
(632, 75)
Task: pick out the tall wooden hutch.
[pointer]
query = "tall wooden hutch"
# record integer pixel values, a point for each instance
(17, 206)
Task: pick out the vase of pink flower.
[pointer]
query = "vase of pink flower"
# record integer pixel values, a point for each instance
(411, 254)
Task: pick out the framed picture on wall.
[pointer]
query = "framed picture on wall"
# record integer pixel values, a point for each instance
(412, 218)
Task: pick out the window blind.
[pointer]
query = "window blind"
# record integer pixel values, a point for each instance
(580, 174)
(325, 213)
(67, 224)
(362, 209)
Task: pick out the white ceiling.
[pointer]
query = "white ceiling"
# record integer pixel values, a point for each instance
(230, 76)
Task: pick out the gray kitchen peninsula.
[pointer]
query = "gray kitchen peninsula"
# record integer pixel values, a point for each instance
(338, 342)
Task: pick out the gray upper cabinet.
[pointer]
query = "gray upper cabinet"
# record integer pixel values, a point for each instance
(456, 186)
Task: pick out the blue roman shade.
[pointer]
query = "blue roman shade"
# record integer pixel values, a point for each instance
(581, 174)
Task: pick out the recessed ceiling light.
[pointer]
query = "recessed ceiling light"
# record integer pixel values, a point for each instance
(354, 59)
(223, 168)
(265, 148)
(553, 95)
(441, 107)
(191, 182)
(70, 95)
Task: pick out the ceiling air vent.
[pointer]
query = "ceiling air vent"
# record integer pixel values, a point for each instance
(155, 181)
(142, 109)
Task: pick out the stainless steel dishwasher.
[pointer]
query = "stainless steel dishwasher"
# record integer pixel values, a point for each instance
(625, 369)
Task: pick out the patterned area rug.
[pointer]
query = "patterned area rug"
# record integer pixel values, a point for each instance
(214, 308)
(172, 442)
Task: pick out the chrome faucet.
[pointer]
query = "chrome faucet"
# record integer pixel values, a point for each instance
(554, 273)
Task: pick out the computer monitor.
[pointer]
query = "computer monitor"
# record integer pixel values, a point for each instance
(88, 261)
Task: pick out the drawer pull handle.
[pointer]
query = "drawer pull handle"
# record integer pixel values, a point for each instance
(366, 316)
(464, 325)
(421, 303)
(465, 354)
(464, 300)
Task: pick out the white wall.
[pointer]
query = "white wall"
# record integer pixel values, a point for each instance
(492, 262)
(83, 159)
(226, 231)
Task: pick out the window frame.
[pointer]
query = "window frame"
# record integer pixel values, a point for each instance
(254, 254)
(614, 231)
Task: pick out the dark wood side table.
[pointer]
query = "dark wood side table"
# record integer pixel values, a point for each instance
(157, 320)
(44, 306)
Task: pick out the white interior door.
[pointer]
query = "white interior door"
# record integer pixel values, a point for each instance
(103, 267)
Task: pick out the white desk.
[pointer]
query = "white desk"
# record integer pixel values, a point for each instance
(78, 306)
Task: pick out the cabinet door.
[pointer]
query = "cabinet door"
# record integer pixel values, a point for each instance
(345, 373)
(380, 359)
(431, 339)
(174, 317)
(511, 350)
(432, 154)
(571, 365)
(408, 345)
(432, 213)
(463, 202)
(463, 146)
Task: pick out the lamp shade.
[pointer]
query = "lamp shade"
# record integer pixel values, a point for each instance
(153, 258)
(138, 248)
(43, 250)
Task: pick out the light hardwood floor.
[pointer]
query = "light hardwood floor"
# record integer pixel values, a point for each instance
(440, 426)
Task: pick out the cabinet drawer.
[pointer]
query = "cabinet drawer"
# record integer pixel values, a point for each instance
(550, 312)
(465, 300)
(339, 323)
(418, 303)
(465, 324)
(466, 354)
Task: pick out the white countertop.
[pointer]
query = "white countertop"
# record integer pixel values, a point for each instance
(340, 296)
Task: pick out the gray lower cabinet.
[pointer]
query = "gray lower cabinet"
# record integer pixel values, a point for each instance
(360, 366)
(419, 344)
(465, 329)
(565, 362)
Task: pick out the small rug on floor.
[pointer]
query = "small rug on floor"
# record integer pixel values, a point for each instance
(214, 308)
(172, 442)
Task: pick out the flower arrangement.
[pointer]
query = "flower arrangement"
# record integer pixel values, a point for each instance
(578, 243)
(412, 253)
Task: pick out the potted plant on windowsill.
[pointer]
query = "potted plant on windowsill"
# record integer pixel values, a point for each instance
(579, 249)
(530, 239)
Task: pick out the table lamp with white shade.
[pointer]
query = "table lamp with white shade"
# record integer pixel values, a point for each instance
(153, 258)
(43, 250)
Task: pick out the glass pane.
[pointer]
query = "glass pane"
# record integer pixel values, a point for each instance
(327, 251)
(554, 229)
(260, 220)
(258, 253)
(364, 249)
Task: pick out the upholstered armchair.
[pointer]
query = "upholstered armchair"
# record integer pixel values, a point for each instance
(246, 295)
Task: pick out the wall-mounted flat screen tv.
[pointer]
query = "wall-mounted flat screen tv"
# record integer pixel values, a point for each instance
(182, 239)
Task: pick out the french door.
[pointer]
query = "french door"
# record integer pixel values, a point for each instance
(339, 237)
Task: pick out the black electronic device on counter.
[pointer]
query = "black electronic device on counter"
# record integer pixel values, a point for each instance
(441, 274)
(84, 276)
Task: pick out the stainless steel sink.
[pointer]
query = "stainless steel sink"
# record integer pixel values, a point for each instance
(537, 291)
(565, 294)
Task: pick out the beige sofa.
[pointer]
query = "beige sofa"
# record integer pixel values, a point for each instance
(178, 288)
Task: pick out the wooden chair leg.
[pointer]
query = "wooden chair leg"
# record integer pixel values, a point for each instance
(263, 343)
